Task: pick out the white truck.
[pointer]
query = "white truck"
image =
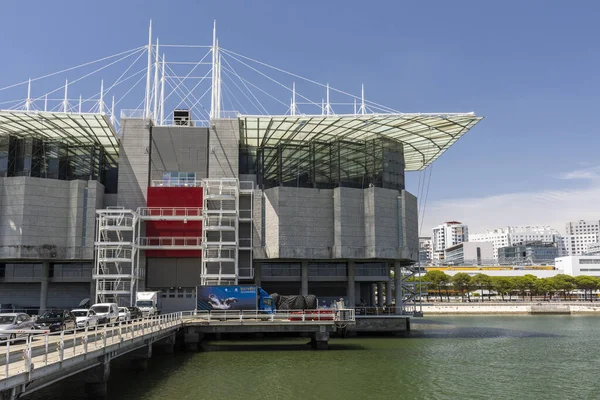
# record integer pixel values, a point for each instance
(148, 303)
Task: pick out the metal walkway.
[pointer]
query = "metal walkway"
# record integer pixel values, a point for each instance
(41, 358)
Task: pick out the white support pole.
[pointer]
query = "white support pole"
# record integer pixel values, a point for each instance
(293, 110)
(322, 107)
(112, 111)
(79, 104)
(155, 92)
(148, 72)
(362, 99)
(65, 101)
(46, 102)
(355, 106)
(213, 100)
(101, 102)
(328, 107)
(162, 93)
(28, 101)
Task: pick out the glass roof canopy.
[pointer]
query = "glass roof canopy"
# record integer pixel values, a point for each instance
(75, 129)
(425, 136)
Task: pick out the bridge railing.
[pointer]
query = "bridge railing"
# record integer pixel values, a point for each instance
(335, 315)
(25, 350)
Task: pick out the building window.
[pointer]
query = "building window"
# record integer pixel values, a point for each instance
(179, 179)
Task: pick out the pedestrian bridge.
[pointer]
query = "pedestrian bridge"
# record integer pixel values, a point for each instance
(40, 358)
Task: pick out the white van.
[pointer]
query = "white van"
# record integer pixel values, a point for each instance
(108, 313)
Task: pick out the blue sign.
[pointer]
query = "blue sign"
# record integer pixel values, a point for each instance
(226, 298)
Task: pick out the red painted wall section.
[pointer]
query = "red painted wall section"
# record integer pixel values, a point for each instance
(190, 197)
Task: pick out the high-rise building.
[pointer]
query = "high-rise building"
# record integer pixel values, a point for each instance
(580, 235)
(447, 235)
(513, 235)
(425, 255)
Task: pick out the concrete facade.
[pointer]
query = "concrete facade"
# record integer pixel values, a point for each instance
(179, 149)
(134, 162)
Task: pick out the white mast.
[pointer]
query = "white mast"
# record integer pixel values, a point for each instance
(101, 102)
(148, 72)
(215, 111)
(155, 108)
(46, 102)
(327, 105)
(362, 108)
(162, 92)
(79, 104)
(112, 111)
(28, 101)
(65, 101)
(293, 107)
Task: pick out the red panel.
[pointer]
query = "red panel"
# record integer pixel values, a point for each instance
(174, 197)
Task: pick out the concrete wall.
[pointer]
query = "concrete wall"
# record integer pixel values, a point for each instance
(342, 223)
(48, 218)
(134, 161)
(224, 151)
(172, 272)
(179, 148)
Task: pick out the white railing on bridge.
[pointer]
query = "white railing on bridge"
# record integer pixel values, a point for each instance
(322, 314)
(42, 347)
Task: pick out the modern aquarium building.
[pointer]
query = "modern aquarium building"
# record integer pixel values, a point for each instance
(170, 196)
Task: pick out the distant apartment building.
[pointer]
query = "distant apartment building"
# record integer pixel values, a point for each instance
(579, 236)
(469, 253)
(579, 265)
(425, 255)
(513, 235)
(532, 253)
(447, 235)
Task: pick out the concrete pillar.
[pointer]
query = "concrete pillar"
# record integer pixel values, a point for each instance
(388, 293)
(92, 292)
(166, 345)
(380, 294)
(398, 285)
(96, 379)
(193, 340)
(373, 295)
(351, 293)
(320, 340)
(357, 295)
(257, 279)
(44, 287)
(139, 358)
(304, 285)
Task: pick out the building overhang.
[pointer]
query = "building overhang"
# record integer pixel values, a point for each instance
(74, 129)
(424, 136)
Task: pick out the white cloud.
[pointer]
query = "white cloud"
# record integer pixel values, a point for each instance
(592, 173)
(552, 207)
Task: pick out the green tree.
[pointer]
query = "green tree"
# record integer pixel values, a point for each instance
(483, 281)
(544, 286)
(525, 285)
(503, 285)
(563, 282)
(462, 283)
(586, 283)
(438, 279)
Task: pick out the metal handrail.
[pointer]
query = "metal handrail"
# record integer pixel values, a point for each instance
(170, 211)
(170, 241)
(175, 183)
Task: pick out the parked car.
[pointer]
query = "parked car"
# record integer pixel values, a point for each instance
(124, 314)
(14, 321)
(108, 313)
(135, 312)
(85, 318)
(56, 320)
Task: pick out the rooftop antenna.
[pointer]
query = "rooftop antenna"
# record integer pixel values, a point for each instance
(362, 109)
(28, 101)
(322, 107)
(355, 106)
(327, 105)
(65, 103)
(79, 104)
(148, 72)
(162, 92)
(155, 109)
(101, 102)
(46, 102)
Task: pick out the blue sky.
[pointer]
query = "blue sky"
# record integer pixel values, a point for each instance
(529, 67)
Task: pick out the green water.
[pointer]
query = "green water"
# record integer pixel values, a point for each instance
(499, 357)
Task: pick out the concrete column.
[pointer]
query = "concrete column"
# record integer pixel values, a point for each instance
(166, 345)
(92, 292)
(44, 288)
(139, 360)
(96, 379)
(193, 340)
(373, 294)
(388, 293)
(320, 339)
(398, 284)
(257, 279)
(380, 294)
(351, 293)
(304, 286)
